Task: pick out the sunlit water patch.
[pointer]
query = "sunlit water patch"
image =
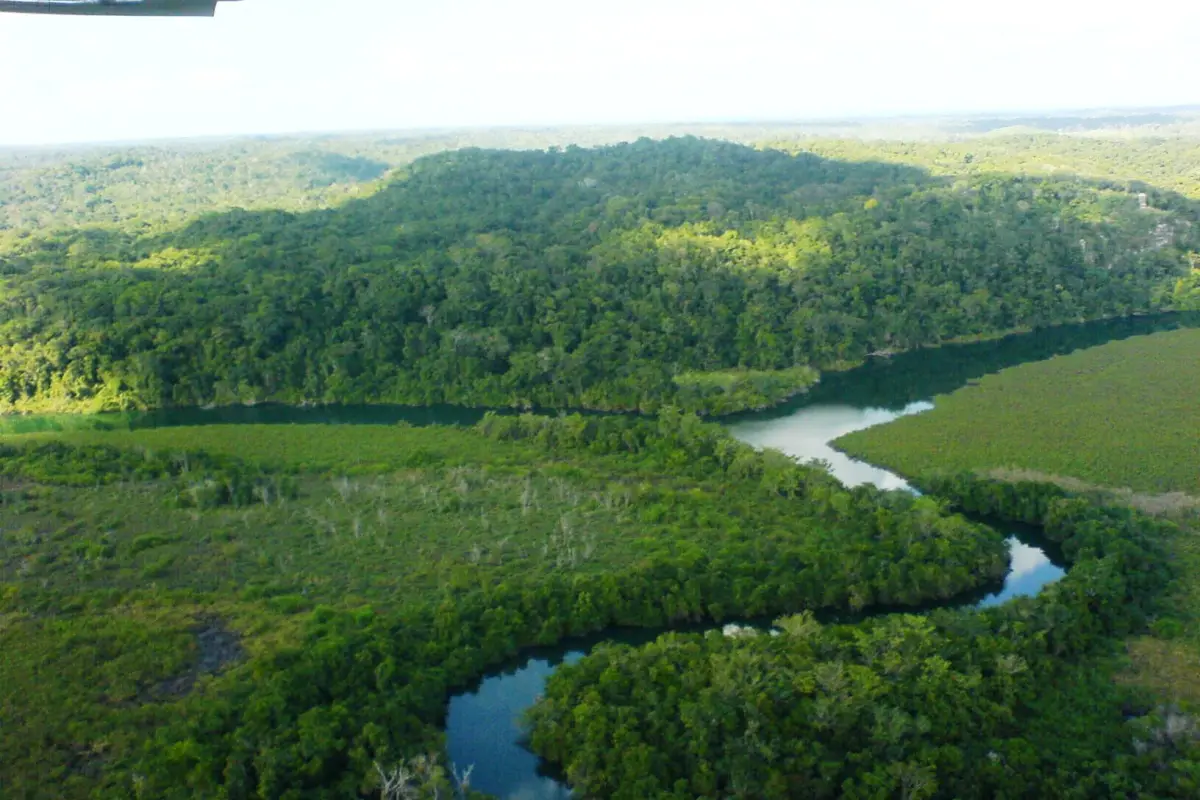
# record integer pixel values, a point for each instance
(806, 436)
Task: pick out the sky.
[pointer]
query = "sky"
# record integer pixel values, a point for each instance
(279, 66)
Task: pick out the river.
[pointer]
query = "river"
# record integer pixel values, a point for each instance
(483, 724)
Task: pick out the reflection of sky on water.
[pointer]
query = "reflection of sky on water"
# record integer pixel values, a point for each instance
(486, 730)
(1028, 572)
(806, 435)
(1025, 559)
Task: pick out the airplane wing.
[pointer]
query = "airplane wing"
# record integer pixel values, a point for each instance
(115, 8)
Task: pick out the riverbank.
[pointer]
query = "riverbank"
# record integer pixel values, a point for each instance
(709, 394)
(888, 383)
(483, 722)
(1116, 423)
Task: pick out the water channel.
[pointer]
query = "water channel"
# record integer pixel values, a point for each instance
(483, 724)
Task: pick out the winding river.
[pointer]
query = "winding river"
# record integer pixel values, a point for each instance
(483, 724)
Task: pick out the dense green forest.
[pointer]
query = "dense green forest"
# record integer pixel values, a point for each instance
(1165, 163)
(609, 278)
(1012, 701)
(157, 183)
(289, 605)
(154, 183)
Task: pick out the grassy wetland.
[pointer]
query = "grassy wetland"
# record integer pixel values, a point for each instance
(1123, 415)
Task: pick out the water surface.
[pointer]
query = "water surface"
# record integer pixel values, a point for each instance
(483, 728)
(806, 433)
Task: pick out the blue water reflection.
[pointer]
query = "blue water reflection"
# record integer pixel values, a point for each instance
(1029, 571)
(485, 731)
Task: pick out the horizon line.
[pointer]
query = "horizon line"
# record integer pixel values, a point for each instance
(816, 120)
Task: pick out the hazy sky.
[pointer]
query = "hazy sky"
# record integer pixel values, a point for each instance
(268, 66)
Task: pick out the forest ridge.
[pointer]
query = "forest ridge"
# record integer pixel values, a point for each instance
(703, 274)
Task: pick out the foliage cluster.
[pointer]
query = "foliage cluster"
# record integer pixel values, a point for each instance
(366, 599)
(201, 480)
(737, 390)
(1161, 163)
(151, 184)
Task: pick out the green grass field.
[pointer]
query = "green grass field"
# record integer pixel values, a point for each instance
(1124, 415)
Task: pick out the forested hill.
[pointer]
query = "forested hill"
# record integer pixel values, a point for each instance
(700, 273)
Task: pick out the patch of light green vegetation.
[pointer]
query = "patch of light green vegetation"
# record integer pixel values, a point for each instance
(357, 449)
(730, 391)
(1123, 415)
